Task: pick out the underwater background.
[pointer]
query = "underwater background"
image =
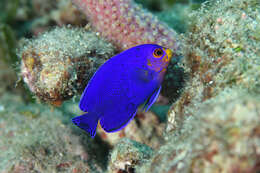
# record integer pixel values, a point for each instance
(206, 119)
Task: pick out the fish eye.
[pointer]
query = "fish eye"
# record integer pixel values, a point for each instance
(157, 53)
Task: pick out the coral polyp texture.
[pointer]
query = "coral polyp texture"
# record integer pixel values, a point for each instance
(58, 64)
(126, 24)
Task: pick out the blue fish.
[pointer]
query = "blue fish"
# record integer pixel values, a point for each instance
(120, 86)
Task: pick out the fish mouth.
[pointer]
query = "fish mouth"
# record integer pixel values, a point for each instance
(169, 55)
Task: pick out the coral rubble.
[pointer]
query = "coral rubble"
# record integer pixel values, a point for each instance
(36, 139)
(127, 154)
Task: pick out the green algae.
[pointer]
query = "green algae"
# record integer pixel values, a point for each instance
(8, 10)
(7, 44)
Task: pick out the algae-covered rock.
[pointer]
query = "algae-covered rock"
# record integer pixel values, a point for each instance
(221, 50)
(223, 45)
(214, 124)
(127, 154)
(58, 64)
(222, 135)
(35, 138)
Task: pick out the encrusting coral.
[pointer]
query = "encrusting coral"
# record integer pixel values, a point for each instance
(59, 63)
(126, 24)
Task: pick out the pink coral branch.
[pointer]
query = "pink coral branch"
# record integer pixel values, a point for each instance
(126, 24)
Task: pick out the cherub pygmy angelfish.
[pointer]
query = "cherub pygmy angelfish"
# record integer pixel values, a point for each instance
(123, 83)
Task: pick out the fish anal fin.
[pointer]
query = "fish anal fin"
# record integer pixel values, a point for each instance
(87, 122)
(116, 120)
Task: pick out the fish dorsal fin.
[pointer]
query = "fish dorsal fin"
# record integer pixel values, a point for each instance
(152, 99)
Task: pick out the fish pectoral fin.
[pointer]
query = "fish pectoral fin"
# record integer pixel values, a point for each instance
(87, 122)
(152, 99)
(118, 119)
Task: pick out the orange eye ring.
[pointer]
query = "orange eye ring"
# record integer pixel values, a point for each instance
(158, 53)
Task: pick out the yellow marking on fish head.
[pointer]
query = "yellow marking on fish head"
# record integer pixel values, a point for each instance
(168, 55)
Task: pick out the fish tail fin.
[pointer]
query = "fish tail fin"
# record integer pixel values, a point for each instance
(86, 122)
